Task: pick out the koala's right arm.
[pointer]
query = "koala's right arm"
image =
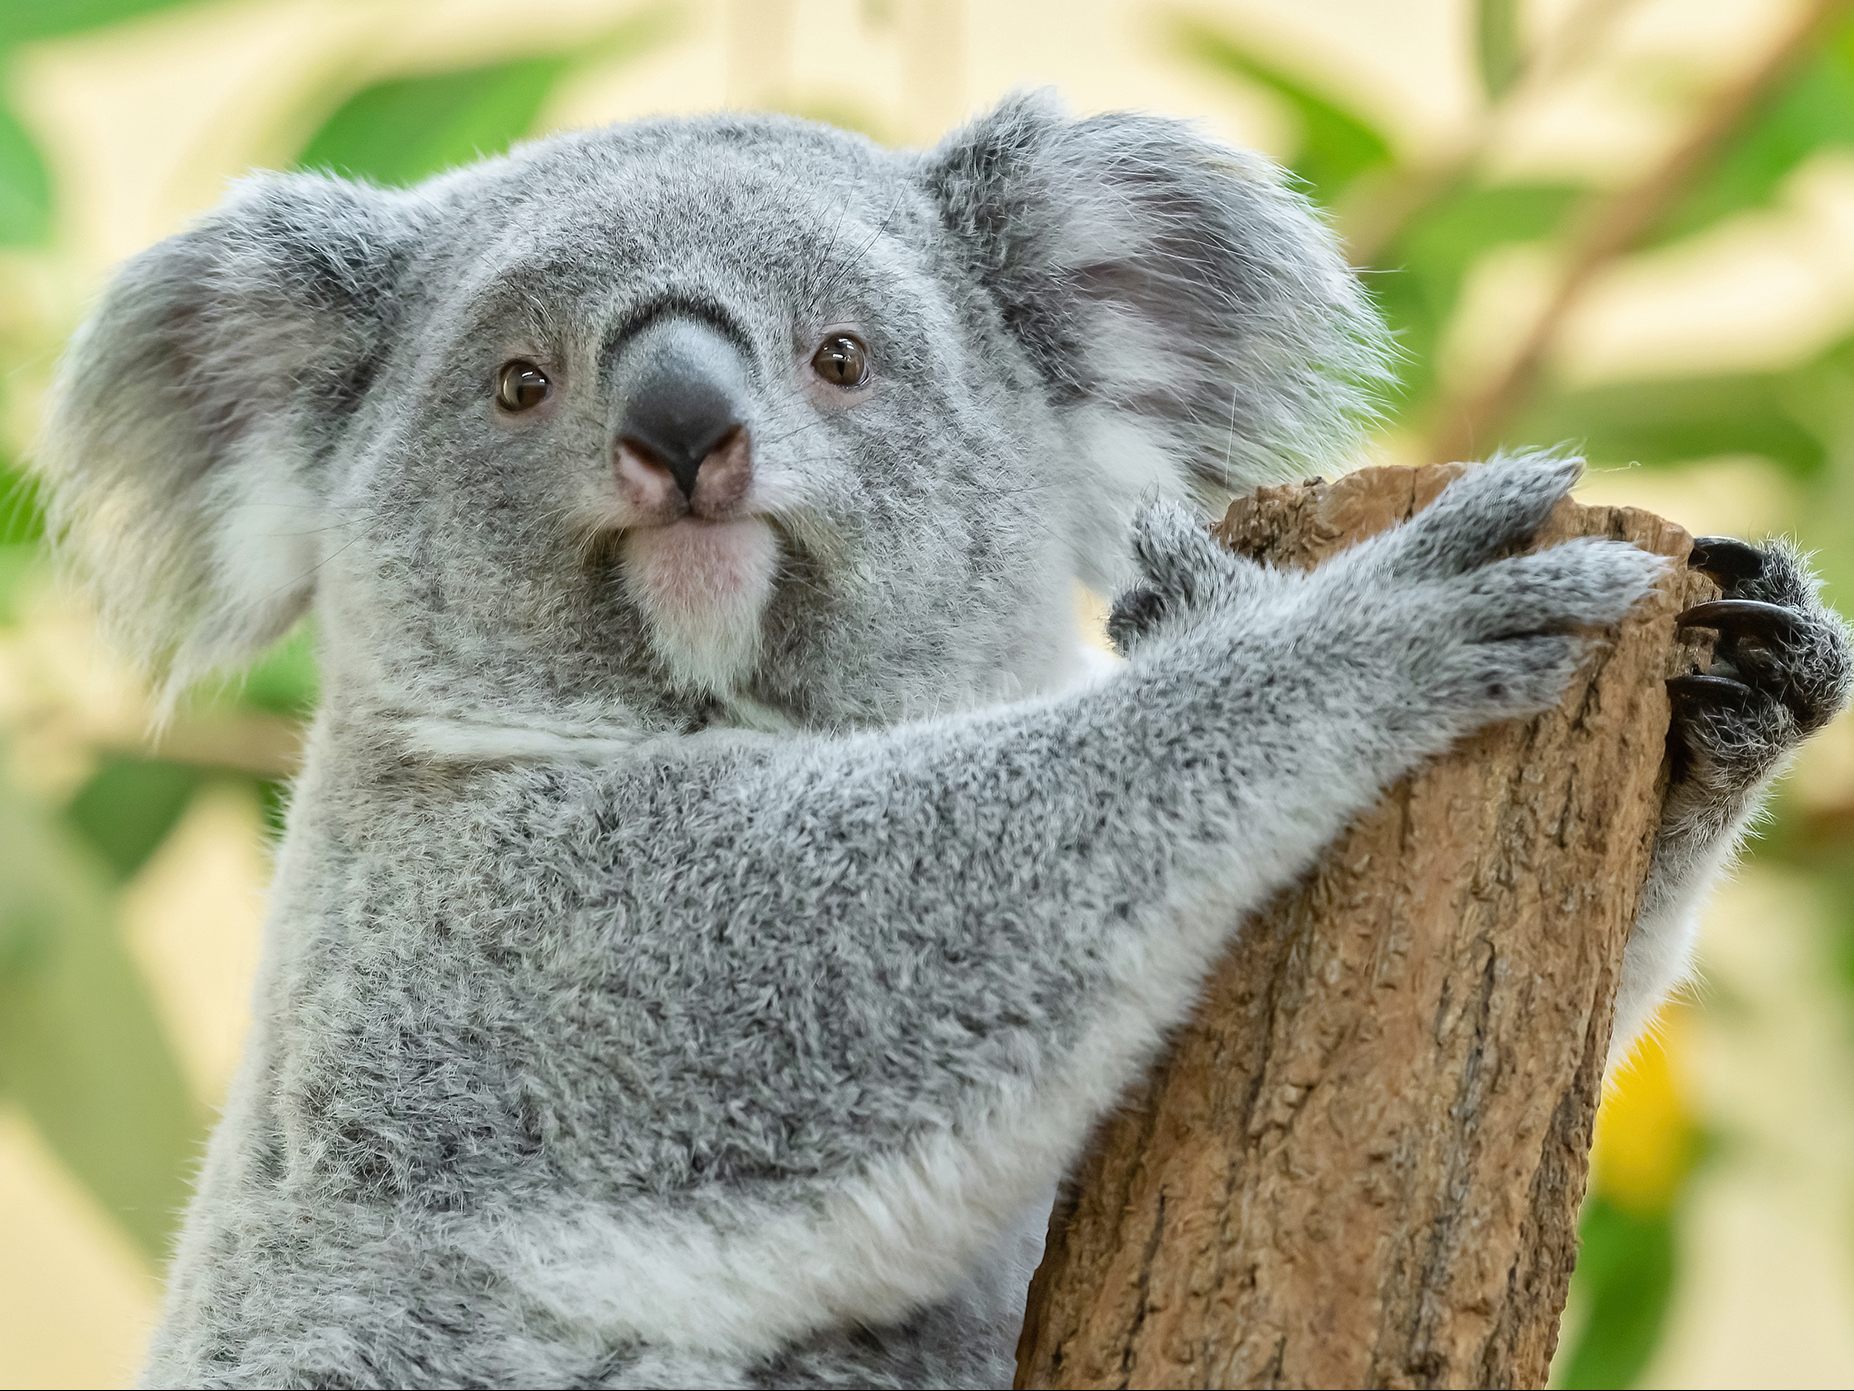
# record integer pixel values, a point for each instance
(866, 995)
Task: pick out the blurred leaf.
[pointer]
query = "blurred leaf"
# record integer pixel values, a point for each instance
(82, 1051)
(22, 524)
(1337, 144)
(1625, 1280)
(285, 681)
(128, 807)
(273, 796)
(25, 184)
(404, 129)
(22, 518)
(1811, 113)
(1496, 33)
(1425, 268)
(407, 128)
(21, 20)
(1674, 420)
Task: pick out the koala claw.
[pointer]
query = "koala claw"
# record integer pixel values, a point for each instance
(1744, 617)
(1697, 687)
(1727, 559)
(1782, 668)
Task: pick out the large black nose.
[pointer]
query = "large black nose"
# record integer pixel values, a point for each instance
(681, 389)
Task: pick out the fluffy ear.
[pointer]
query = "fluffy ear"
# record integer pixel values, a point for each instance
(1190, 312)
(192, 422)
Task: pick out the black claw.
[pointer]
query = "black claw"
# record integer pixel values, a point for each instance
(1750, 616)
(1726, 558)
(1698, 686)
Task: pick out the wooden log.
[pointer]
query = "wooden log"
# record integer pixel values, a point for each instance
(1361, 1165)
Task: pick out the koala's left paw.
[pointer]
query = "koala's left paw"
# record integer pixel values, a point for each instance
(1783, 666)
(1185, 572)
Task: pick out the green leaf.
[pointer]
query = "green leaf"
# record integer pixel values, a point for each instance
(82, 1050)
(1337, 144)
(128, 807)
(1423, 271)
(1625, 1279)
(407, 128)
(401, 130)
(25, 185)
(1813, 112)
(22, 525)
(22, 516)
(21, 20)
(1676, 420)
(285, 681)
(1496, 33)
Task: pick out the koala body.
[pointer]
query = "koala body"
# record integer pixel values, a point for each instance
(717, 902)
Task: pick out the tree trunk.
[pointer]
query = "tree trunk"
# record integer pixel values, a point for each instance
(1361, 1164)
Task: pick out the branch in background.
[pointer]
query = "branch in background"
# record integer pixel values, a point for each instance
(264, 746)
(1379, 212)
(248, 743)
(1472, 422)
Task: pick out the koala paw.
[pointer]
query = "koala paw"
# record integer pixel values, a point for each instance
(1483, 634)
(1782, 668)
(1416, 636)
(1184, 573)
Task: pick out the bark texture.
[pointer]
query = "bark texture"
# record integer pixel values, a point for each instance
(1361, 1164)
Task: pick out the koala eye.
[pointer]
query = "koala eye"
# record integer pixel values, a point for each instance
(520, 386)
(842, 361)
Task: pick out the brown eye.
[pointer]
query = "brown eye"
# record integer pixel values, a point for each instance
(842, 361)
(521, 386)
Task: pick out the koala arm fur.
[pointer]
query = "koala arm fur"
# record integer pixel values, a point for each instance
(925, 960)
(873, 992)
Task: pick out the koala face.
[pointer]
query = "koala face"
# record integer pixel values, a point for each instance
(692, 416)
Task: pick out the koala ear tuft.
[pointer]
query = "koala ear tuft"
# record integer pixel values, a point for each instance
(191, 425)
(1189, 311)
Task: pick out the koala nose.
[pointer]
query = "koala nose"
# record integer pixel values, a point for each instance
(681, 394)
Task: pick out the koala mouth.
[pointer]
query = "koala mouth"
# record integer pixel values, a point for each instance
(702, 588)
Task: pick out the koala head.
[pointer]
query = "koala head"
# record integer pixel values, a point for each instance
(690, 417)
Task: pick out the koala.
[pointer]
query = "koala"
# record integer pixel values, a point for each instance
(719, 898)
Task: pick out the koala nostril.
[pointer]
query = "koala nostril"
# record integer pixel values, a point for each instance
(679, 408)
(727, 464)
(676, 463)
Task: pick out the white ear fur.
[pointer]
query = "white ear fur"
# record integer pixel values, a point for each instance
(188, 438)
(1190, 312)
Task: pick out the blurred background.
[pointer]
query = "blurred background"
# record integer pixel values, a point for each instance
(1623, 223)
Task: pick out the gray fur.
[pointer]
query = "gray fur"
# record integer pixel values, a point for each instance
(625, 1024)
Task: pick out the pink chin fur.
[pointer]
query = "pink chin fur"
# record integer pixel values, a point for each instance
(703, 588)
(692, 567)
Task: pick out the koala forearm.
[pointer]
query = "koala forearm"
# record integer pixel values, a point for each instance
(897, 976)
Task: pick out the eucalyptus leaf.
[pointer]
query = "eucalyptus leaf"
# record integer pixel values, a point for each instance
(1337, 144)
(1810, 114)
(22, 515)
(1419, 277)
(1625, 1280)
(1679, 419)
(285, 680)
(404, 129)
(82, 1050)
(23, 20)
(128, 806)
(25, 184)
(1496, 34)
